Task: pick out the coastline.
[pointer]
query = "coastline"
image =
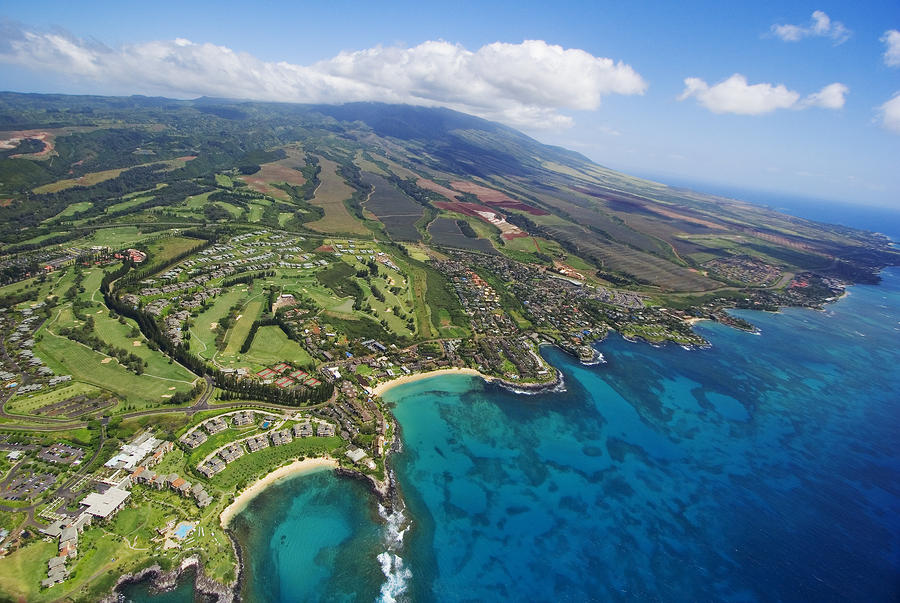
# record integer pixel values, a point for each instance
(382, 388)
(256, 488)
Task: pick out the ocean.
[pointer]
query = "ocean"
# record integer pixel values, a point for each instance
(764, 468)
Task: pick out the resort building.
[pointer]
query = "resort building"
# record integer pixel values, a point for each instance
(303, 430)
(282, 437)
(243, 418)
(215, 425)
(107, 504)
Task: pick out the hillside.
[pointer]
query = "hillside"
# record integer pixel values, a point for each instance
(395, 171)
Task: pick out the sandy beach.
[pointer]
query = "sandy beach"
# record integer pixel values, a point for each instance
(295, 468)
(381, 388)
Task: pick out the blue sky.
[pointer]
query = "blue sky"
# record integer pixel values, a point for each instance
(811, 116)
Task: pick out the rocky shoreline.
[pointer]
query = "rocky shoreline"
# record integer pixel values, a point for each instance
(162, 581)
(386, 492)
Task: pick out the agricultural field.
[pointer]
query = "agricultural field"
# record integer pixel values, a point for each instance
(394, 209)
(330, 195)
(283, 170)
(447, 233)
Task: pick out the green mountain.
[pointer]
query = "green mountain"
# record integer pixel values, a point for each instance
(428, 175)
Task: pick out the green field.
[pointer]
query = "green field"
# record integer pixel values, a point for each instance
(28, 404)
(203, 333)
(71, 210)
(241, 327)
(224, 181)
(117, 238)
(140, 391)
(271, 345)
(252, 466)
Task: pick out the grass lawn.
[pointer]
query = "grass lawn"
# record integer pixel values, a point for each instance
(252, 466)
(71, 210)
(198, 201)
(419, 286)
(116, 237)
(283, 217)
(224, 181)
(167, 248)
(28, 404)
(123, 205)
(68, 357)
(238, 332)
(21, 572)
(271, 345)
(234, 210)
(119, 335)
(257, 208)
(203, 334)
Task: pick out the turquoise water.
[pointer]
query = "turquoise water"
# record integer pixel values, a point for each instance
(765, 468)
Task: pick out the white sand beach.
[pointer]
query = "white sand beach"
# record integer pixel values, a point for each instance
(295, 468)
(381, 388)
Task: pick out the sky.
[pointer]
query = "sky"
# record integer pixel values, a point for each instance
(801, 98)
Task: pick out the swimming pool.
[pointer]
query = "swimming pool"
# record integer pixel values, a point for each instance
(183, 530)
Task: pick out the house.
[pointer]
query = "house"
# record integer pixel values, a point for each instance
(215, 425)
(258, 443)
(232, 452)
(281, 437)
(325, 430)
(213, 466)
(200, 495)
(194, 438)
(303, 430)
(243, 418)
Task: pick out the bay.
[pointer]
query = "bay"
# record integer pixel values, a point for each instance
(764, 468)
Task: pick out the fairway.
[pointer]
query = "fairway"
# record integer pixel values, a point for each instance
(68, 357)
(271, 345)
(330, 196)
(238, 333)
(203, 332)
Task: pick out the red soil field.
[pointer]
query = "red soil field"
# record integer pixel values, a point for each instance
(495, 197)
(437, 188)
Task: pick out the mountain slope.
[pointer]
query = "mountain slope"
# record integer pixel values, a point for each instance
(426, 163)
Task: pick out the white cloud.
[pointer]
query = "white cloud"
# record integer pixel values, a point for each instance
(820, 25)
(891, 39)
(829, 97)
(735, 95)
(526, 84)
(890, 114)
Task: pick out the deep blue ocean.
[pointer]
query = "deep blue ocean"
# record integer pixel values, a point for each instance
(766, 468)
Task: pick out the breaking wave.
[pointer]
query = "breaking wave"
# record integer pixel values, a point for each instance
(397, 575)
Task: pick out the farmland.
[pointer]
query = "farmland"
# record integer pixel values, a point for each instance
(394, 209)
(446, 232)
(331, 195)
(300, 259)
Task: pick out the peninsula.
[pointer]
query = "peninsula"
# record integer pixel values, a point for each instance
(198, 302)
